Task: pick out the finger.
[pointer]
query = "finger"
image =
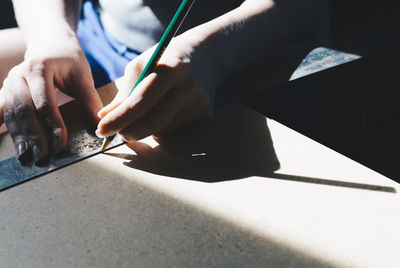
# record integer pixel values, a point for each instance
(25, 114)
(44, 99)
(147, 94)
(17, 135)
(26, 118)
(118, 99)
(179, 106)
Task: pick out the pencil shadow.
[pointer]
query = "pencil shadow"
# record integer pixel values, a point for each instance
(338, 183)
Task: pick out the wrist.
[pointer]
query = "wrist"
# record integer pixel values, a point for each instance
(49, 34)
(63, 41)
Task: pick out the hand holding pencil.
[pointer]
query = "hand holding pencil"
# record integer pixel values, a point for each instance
(158, 96)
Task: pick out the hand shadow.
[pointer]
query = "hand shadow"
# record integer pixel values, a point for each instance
(235, 144)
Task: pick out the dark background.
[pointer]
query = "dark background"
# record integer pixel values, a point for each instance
(6, 14)
(362, 16)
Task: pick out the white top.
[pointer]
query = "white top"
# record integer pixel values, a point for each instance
(139, 24)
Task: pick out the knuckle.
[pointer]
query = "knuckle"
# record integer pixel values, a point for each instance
(45, 113)
(134, 104)
(37, 66)
(52, 125)
(175, 68)
(21, 109)
(134, 67)
(42, 105)
(35, 139)
(164, 68)
(14, 71)
(57, 132)
(44, 110)
(19, 138)
(59, 137)
(7, 83)
(109, 127)
(8, 114)
(129, 66)
(178, 64)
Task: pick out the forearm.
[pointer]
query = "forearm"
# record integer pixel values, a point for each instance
(46, 18)
(252, 32)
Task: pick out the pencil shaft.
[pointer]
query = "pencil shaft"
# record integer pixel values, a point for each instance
(169, 33)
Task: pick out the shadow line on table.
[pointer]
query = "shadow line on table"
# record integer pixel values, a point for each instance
(329, 182)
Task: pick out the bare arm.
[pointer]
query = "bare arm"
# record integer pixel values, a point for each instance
(44, 18)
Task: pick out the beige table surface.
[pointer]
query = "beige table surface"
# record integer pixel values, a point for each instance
(243, 191)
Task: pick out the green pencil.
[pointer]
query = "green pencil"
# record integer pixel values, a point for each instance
(169, 33)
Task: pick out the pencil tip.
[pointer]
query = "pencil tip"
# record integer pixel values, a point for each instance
(106, 143)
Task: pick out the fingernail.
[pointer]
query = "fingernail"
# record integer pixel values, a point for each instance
(21, 148)
(23, 152)
(38, 155)
(97, 132)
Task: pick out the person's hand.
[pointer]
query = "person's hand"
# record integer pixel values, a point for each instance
(29, 96)
(178, 92)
